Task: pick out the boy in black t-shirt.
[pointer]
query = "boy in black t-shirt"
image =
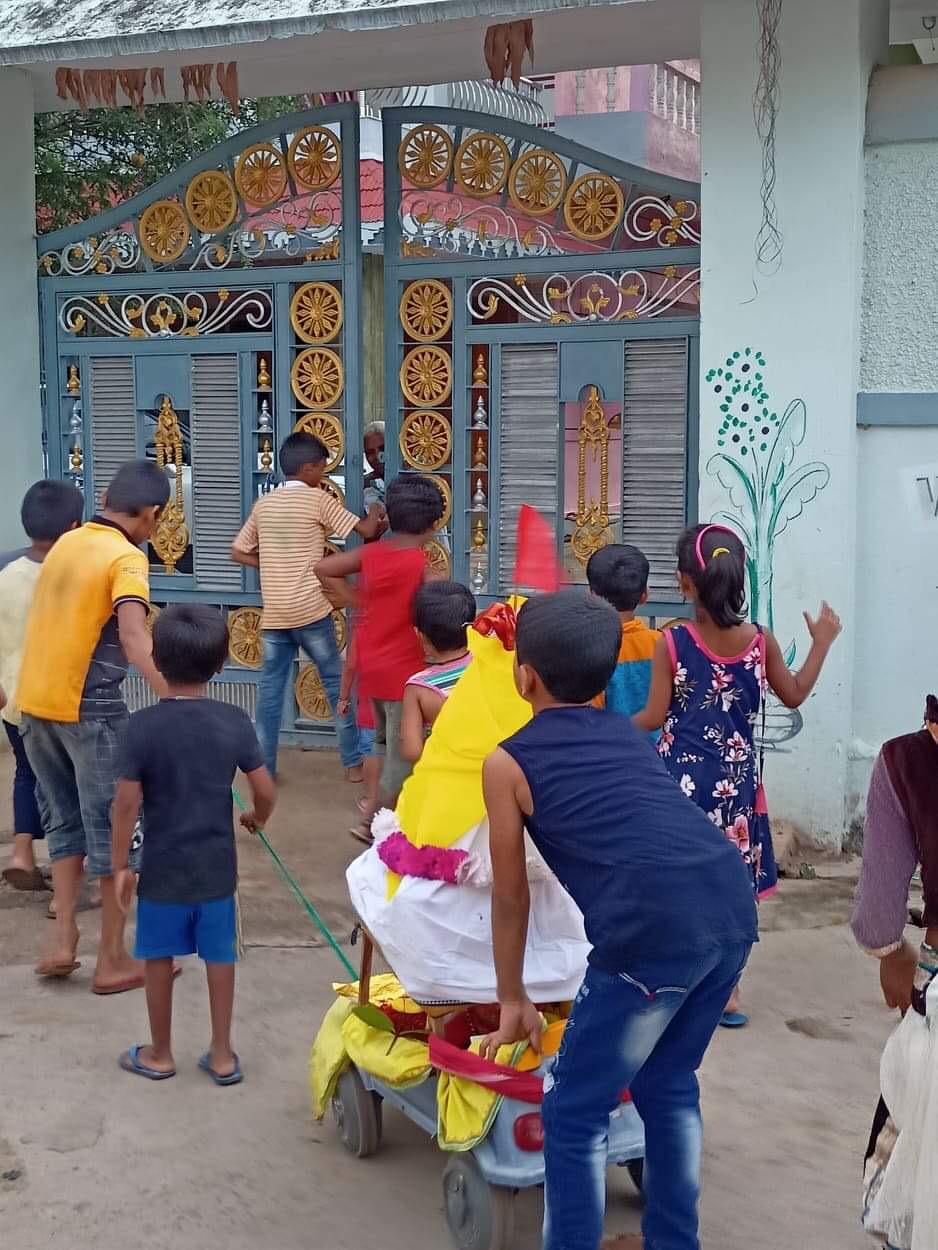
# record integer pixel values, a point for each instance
(179, 758)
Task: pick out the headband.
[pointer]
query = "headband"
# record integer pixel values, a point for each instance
(717, 551)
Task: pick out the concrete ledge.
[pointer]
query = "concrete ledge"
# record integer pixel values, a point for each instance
(897, 408)
(903, 104)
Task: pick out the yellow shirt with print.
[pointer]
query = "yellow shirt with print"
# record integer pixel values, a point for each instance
(86, 575)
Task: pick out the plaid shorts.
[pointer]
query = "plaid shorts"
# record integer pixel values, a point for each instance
(76, 767)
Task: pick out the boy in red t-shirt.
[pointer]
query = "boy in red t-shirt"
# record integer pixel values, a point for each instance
(387, 652)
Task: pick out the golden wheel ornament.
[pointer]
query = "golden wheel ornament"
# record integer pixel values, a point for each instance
(426, 310)
(437, 558)
(425, 156)
(593, 206)
(261, 175)
(163, 231)
(341, 629)
(443, 487)
(310, 695)
(337, 493)
(427, 376)
(317, 377)
(426, 440)
(211, 201)
(315, 158)
(482, 164)
(536, 182)
(316, 312)
(328, 429)
(244, 637)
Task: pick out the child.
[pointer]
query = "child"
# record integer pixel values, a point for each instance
(179, 758)
(614, 828)
(388, 652)
(443, 611)
(364, 718)
(285, 537)
(49, 509)
(708, 682)
(619, 574)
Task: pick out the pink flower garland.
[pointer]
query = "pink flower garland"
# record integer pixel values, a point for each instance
(432, 863)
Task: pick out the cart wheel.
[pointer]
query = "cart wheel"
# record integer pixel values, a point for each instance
(479, 1216)
(357, 1115)
(636, 1171)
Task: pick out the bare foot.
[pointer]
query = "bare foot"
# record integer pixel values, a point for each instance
(627, 1241)
(116, 976)
(355, 775)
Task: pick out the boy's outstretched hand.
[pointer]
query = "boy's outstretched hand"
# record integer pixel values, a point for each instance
(125, 882)
(517, 1022)
(825, 627)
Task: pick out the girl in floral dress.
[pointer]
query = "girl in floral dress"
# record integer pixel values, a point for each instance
(708, 684)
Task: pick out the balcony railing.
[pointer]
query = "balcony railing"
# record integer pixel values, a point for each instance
(675, 97)
(522, 104)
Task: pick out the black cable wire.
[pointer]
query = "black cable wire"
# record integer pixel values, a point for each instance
(765, 102)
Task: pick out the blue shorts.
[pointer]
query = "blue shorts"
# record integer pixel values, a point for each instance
(209, 930)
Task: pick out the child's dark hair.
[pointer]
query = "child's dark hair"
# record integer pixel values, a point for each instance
(931, 710)
(136, 486)
(442, 612)
(190, 643)
(414, 504)
(572, 643)
(619, 574)
(300, 449)
(715, 561)
(51, 508)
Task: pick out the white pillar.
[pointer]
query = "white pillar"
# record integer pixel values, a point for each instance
(20, 415)
(804, 320)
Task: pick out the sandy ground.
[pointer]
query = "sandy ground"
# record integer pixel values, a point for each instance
(90, 1157)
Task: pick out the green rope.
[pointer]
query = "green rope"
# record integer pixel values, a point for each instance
(298, 894)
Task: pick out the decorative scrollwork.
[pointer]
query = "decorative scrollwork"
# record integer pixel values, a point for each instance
(427, 376)
(170, 539)
(566, 299)
(244, 637)
(166, 314)
(261, 175)
(117, 251)
(592, 514)
(211, 201)
(152, 613)
(317, 377)
(652, 219)
(593, 206)
(444, 488)
(425, 156)
(310, 695)
(426, 440)
(315, 158)
(482, 164)
(437, 558)
(536, 182)
(328, 429)
(316, 312)
(426, 310)
(163, 232)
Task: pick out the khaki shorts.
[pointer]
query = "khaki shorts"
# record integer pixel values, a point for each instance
(388, 744)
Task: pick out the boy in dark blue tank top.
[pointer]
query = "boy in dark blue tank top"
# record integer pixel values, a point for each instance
(668, 909)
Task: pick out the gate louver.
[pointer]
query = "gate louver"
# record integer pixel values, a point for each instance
(216, 470)
(113, 419)
(654, 442)
(528, 444)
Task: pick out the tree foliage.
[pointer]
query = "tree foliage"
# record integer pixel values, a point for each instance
(85, 162)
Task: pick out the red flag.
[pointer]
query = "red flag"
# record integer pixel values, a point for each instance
(536, 563)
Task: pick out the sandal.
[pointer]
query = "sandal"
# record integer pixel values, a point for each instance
(230, 1078)
(27, 879)
(130, 1062)
(362, 833)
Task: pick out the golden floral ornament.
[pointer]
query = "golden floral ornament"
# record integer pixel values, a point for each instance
(261, 175)
(482, 164)
(427, 376)
(163, 231)
(152, 613)
(328, 429)
(425, 156)
(316, 312)
(593, 206)
(244, 637)
(310, 695)
(211, 201)
(444, 488)
(426, 440)
(536, 182)
(315, 158)
(170, 539)
(437, 558)
(317, 377)
(426, 310)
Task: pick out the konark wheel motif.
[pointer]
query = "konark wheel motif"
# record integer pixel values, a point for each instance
(341, 630)
(482, 164)
(426, 440)
(426, 310)
(536, 182)
(338, 494)
(211, 201)
(315, 158)
(437, 558)
(425, 156)
(316, 312)
(325, 427)
(427, 376)
(443, 487)
(593, 206)
(261, 175)
(310, 694)
(164, 231)
(317, 377)
(244, 637)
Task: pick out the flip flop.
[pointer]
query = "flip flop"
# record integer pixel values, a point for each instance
(57, 971)
(130, 1062)
(26, 879)
(233, 1078)
(362, 833)
(733, 1020)
(123, 987)
(85, 903)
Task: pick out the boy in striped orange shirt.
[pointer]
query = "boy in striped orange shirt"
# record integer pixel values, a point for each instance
(619, 574)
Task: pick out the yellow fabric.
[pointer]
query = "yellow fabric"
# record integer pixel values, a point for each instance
(84, 577)
(384, 990)
(405, 1063)
(17, 586)
(466, 1111)
(328, 1058)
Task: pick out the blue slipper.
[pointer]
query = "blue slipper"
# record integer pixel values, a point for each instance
(733, 1020)
(233, 1078)
(130, 1062)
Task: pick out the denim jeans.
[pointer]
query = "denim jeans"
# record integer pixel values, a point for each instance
(646, 1031)
(317, 641)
